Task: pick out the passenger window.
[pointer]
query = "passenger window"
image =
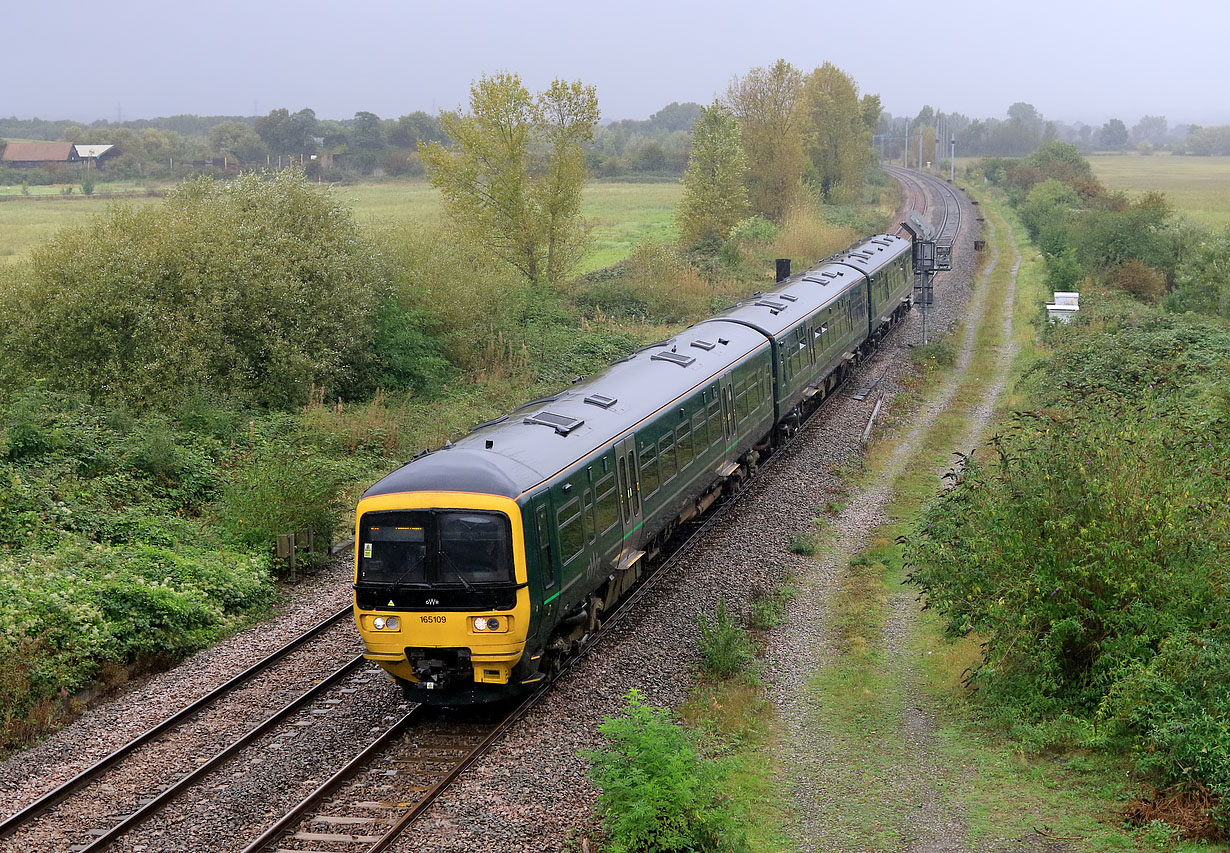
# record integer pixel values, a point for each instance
(666, 457)
(571, 534)
(683, 443)
(699, 441)
(715, 422)
(649, 469)
(607, 511)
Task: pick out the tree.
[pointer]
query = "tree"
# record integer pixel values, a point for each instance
(414, 128)
(768, 104)
(714, 193)
(235, 139)
(288, 133)
(513, 177)
(840, 138)
(1150, 129)
(1114, 135)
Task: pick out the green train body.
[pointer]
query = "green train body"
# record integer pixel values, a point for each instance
(482, 564)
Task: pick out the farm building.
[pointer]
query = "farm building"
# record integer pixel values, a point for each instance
(30, 155)
(34, 155)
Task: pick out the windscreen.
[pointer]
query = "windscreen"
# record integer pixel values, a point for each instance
(430, 548)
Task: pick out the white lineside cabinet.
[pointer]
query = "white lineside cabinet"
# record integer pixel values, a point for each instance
(1065, 304)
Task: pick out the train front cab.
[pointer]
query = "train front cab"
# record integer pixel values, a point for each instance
(441, 594)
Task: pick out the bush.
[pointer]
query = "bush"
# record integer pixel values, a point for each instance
(657, 792)
(724, 647)
(1178, 707)
(1140, 280)
(256, 288)
(282, 487)
(1099, 528)
(66, 611)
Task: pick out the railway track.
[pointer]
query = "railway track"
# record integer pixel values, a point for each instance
(407, 764)
(60, 798)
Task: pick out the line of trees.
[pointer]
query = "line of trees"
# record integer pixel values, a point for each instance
(778, 138)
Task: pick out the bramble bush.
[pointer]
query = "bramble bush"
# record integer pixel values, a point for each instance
(658, 793)
(1090, 552)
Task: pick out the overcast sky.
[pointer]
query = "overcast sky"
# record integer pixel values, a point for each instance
(1074, 60)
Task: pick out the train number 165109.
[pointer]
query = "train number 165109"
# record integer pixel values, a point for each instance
(439, 619)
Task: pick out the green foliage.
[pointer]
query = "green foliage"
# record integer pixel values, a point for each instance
(512, 180)
(724, 646)
(658, 794)
(1091, 553)
(768, 104)
(257, 288)
(87, 183)
(68, 610)
(769, 608)
(282, 487)
(1177, 706)
(1202, 278)
(839, 132)
(714, 195)
(804, 544)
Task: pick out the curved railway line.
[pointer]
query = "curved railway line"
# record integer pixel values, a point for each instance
(371, 799)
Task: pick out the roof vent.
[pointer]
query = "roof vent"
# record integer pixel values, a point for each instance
(789, 297)
(602, 401)
(562, 424)
(673, 358)
(705, 345)
(769, 303)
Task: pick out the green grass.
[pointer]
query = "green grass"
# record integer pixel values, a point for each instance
(622, 214)
(1196, 186)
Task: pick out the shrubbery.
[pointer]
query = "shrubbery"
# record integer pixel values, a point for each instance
(657, 792)
(1090, 554)
(254, 289)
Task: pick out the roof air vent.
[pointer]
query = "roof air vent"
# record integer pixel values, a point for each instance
(602, 401)
(562, 424)
(705, 345)
(789, 297)
(673, 358)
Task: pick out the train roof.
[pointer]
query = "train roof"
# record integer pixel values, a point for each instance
(873, 253)
(775, 311)
(514, 453)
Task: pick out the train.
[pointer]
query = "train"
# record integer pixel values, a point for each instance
(481, 565)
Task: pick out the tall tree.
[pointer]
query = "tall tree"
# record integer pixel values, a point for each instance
(714, 193)
(1114, 135)
(768, 104)
(513, 177)
(840, 135)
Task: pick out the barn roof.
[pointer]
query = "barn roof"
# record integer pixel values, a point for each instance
(25, 152)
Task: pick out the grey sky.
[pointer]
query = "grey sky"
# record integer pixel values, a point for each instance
(1072, 60)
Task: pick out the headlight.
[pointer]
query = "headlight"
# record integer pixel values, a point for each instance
(378, 623)
(391, 623)
(493, 624)
(480, 624)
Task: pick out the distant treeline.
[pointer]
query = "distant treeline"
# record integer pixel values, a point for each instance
(364, 145)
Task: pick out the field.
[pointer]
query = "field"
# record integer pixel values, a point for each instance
(1197, 186)
(622, 214)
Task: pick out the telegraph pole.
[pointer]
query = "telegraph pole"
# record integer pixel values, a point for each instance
(905, 149)
(952, 161)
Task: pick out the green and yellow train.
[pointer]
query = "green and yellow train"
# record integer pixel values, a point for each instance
(482, 564)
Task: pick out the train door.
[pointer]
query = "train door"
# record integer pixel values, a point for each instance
(728, 407)
(628, 479)
(542, 559)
